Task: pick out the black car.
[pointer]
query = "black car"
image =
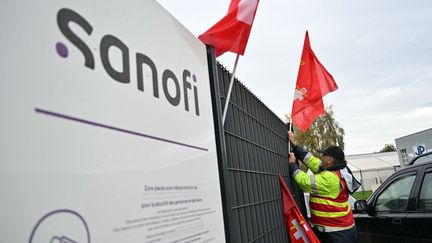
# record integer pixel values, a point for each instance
(400, 210)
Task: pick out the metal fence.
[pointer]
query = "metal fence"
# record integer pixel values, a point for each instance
(256, 153)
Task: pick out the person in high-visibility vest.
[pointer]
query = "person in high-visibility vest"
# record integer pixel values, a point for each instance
(329, 187)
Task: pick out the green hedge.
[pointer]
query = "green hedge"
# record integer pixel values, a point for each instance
(362, 194)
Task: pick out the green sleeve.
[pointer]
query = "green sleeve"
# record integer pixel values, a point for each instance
(312, 162)
(325, 183)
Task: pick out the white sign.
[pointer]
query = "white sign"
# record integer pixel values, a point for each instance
(107, 130)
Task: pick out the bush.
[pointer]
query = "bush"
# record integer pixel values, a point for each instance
(362, 194)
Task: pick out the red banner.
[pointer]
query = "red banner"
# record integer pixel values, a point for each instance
(297, 227)
(231, 33)
(313, 83)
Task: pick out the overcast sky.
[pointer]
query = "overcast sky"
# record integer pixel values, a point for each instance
(379, 53)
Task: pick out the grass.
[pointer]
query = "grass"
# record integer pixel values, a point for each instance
(362, 194)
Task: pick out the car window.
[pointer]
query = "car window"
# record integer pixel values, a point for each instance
(425, 199)
(395, 196)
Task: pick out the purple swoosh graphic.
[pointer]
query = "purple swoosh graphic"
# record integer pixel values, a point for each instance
(76, 119)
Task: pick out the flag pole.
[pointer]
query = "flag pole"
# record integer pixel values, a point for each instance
(290, 123)
(228, 96)
(289, 129)
(339, 143)
(302, 165)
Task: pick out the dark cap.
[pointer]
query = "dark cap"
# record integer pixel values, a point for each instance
(335, 152)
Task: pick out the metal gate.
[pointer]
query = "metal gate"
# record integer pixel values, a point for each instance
(254, 152)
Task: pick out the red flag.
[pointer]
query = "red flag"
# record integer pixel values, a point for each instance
(232, 32)
(297, 227)
(313, 82)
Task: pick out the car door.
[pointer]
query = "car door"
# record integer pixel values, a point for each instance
(419, 220)
(386, 221)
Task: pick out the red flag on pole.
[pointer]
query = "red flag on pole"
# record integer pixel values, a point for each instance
(231, 33)
(313, 83)
(297, 227)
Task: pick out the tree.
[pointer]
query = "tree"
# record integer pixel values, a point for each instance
(323, 132)
(388, 148)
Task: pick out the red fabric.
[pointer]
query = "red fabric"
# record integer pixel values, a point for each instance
(313, 83)
(231, 33)
(327, 208)
(297, 227)
(343, 221)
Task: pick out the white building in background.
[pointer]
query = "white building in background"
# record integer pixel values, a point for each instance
(374, 168)
(413, 145)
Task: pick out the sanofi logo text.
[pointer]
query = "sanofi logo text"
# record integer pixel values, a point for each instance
(182, 89)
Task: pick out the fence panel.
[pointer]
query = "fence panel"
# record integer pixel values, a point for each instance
(256, 150)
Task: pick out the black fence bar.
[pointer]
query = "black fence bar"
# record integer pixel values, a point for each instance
(255, 203)
(254, 143)
(226, 192)
(256, 172)
(256, 153)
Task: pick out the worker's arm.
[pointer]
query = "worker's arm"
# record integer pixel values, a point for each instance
(323, 184)
(304, 156)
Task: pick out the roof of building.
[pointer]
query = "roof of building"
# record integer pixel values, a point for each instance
(373, 161)
(414, 134)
